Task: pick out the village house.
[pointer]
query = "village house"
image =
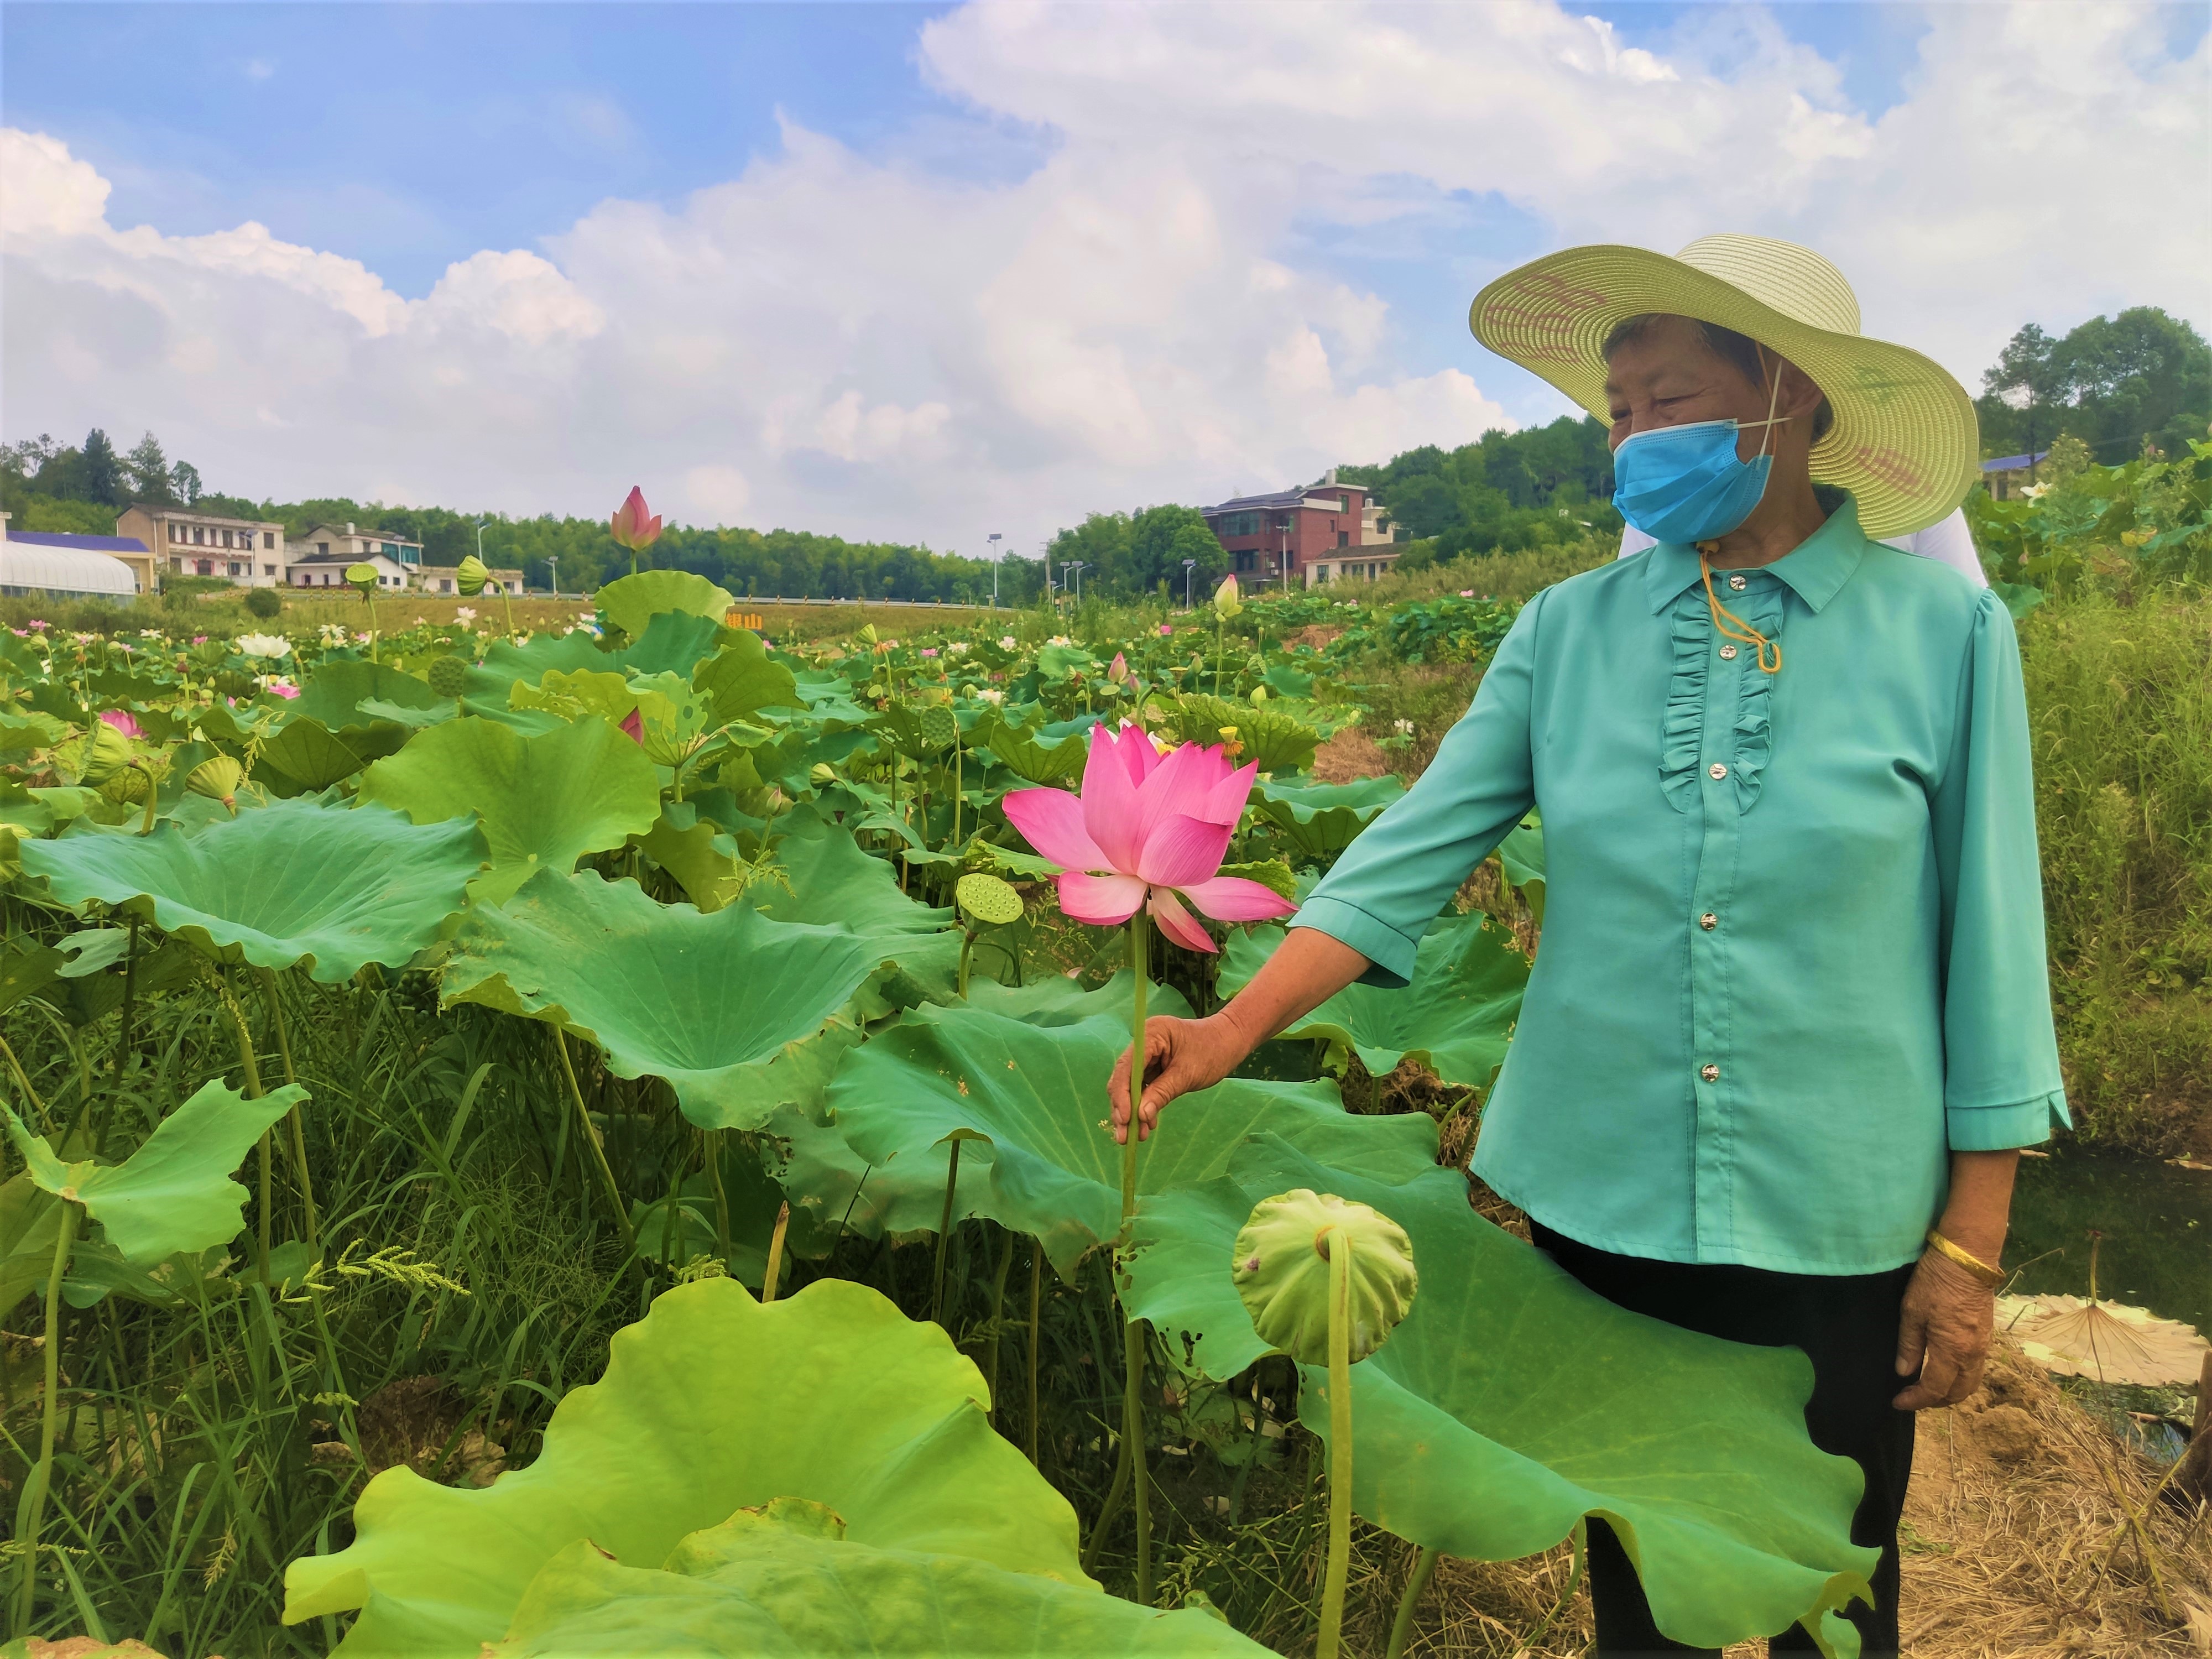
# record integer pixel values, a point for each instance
(245, 552)
(440, 578)
(1323, 531)
(322, 555)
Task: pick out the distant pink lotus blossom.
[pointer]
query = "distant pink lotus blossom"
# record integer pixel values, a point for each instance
(283, 688)
(1166, 628)
(1118, 669)
(634, 524)
(37, 625)
(1157, 827)
(199, 639)
(121, 721)
(928, 651)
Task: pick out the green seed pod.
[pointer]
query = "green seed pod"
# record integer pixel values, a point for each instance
(986, 899)
(218, 778)
(1282, 1270)
(821, 775)
(939, 728)
(362, 577)
(471, 576)
(449, 676)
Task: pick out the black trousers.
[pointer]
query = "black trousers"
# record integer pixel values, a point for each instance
(1847, 1326)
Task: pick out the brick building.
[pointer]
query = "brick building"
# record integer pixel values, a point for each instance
(1300, 538)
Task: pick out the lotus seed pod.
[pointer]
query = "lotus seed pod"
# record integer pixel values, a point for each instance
(471, 576)
(939, 729)
(218, 778)
(986, 899)
(1281, 1271)
(449, 676)
(362, 577)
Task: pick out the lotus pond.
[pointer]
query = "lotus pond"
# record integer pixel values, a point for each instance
(594, 1142)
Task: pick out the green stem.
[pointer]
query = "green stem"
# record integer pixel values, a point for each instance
(714, 1139)
(967, 948)
(1133, 1394)
(591, 1137)
(299, 1134)
(956, 796)
(251, 1067)
(943, 1234)
(998, 1308)
(774, 1277)
(1037, 1303)
(130, 996)
(1401, 1627)
(42, 1476)
(1566, 1597)
(1339, 1444)
(23, 1082)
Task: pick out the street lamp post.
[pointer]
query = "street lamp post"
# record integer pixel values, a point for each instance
(1076, 569)
(553, 572)
(994, 538)
(1189, 565)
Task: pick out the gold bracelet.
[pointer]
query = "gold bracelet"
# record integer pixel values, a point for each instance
(1973, 1264)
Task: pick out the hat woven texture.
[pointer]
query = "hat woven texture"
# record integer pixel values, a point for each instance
(1905, 442)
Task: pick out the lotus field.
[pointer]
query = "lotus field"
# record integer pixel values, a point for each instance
(596, 1142)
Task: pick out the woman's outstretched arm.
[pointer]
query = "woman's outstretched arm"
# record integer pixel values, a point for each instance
(1182, 1055)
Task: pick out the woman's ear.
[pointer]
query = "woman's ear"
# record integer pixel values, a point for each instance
(1800, 398)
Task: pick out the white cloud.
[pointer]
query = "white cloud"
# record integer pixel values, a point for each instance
(870, 346)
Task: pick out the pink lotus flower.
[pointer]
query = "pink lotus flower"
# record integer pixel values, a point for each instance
(1157, 826)
(1118, 669)
(121, 721)
(1166, 628)
(634, 524)
(279, 688)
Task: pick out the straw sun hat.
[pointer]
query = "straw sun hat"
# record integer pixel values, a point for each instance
(1905, 442)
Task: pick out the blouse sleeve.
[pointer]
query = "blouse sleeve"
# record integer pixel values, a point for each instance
(2002, 1084)
(1391, 882)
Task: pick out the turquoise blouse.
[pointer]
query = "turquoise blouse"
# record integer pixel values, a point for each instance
(1793, 948)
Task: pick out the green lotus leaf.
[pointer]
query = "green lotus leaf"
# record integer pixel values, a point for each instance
(738, 1014)
(631, 602)
(574, 693)
(1521, 855)
(1456, 1017)
(705, 862)
(307, 754)
(671, 644)
(711, 1403)
(334, 693)
(1283, 1258)
(1025, 753)
(30, 1227)
(1319, 820)
(784, 1578)
(1036, 1097)
(288, 882)
(833, 883)
(26, 968)
(544, 801)
(1278, 741)
(739, 680)
(1512, 1402)
(175, 1192)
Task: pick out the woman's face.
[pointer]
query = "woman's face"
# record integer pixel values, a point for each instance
(1668, 376)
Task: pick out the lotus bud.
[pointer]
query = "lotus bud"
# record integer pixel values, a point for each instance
(986, 898)
(635, 525)
(219, 779)
(471, 576)
(449, 676)
(1118, 669)
(1259, 696)
(1282, 1270)
(362, 578)
(106, 751)
(1225, 603)
(821, 775)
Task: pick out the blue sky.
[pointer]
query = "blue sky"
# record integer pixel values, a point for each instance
(928, 145)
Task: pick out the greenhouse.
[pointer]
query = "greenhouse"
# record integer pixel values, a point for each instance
(34, 565)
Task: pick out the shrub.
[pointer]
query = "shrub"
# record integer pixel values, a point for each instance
(264, 601)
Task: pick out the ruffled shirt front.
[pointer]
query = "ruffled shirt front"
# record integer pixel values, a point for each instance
(1793, 949)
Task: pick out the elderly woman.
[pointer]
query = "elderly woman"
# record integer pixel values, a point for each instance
(1789, 1022)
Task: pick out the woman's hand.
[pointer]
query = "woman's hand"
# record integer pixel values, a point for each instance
(1943, 1333)
(1180, 1055)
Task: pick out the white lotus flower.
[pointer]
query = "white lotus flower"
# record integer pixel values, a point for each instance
(1008, 642)
(271, 646)
(463, 613)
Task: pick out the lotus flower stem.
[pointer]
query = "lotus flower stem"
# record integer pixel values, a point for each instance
(1401, 1627)
(299, 1135)
(42, 1476)
(23, 1082)
(130, 996)
(1581, 1536)
(998, 1308)
(713, 1138)
(591, 1141)
(251, 1067)
(1132, 1397)
(956, 796)
(773, 1278)
(1339, 1444)
(944, 1233)
(1037, 1303)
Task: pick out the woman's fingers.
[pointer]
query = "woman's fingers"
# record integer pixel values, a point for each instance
(1943, 1335)
(1174, 1065)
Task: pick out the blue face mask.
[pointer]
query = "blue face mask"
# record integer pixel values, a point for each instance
(1684, 483)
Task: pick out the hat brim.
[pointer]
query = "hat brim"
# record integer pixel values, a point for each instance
(1906, 442)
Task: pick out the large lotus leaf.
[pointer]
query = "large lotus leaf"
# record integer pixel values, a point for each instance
(785, 1579)
(175, 1192)
(630, 601)
(1320, 820)
(1036, 1097)
(311, 757)
(740, 1014)
(544, 801)
(574, 693)
(1029, 755)
(333, 694)
(1277, 741)
(1521, 855)
(710, 1404)
(833, 883)
(739, 680)
(1456, 1017)
(1512, 1402)
(834, 1190)
(288, 882)
(671, 644)
(705, 862)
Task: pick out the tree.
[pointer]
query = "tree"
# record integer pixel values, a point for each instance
(185, 482)
(1160, 539)
(147, 469)
(2112, 382)
(100, 475)
(2027, 378)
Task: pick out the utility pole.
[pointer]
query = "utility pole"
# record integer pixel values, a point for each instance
(1189, 565)
(553, 569)
(994, 569)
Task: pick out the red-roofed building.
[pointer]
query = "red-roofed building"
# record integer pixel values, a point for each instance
(1324, 531)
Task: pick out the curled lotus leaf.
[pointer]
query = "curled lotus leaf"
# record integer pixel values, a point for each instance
(290, 883)
(1036, 1097)
(630, 603)
(739, 1013)
(544, 801)
(739, 679)
(1694, 1450)
(1281, 1263)
(1456, 1016)
(783, 1578)
(1320, 820)
(710, 1404)
(175, 1192)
